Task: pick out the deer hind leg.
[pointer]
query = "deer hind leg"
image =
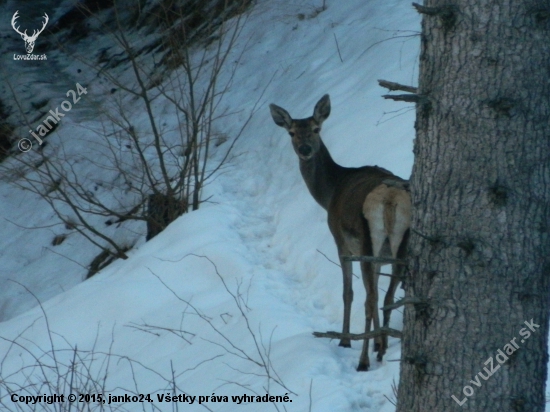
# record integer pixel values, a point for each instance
(348, 298)
(372, 245)
(388, 300)
(377, 239)
(388, 211)
(369, 280)
(398, 245)
(378, 340)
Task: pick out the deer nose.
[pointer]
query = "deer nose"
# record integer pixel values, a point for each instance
(304, 150)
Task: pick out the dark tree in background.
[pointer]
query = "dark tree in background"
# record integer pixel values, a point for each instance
(480, 242)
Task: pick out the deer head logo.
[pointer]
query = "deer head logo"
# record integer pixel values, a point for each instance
(29, 40)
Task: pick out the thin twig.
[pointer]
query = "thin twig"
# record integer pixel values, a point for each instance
(338, 47)
(310, 391)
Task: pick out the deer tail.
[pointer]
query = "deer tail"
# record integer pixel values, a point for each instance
(389, 216)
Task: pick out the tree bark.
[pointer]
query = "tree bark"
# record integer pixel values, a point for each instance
(161, 211)
(479, 251)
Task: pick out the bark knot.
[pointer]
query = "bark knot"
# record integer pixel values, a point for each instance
(498, 194)
(502, 106)
(541, 15)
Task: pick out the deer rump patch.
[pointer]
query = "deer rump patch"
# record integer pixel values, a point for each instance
(388, 211)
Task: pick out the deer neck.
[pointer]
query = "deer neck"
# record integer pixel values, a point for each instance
(321, 175)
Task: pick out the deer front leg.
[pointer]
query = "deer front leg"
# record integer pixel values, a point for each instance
(348, 298)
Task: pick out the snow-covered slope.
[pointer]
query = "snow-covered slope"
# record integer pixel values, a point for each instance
(261, 233)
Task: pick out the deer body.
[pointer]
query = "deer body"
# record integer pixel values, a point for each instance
(365, 216)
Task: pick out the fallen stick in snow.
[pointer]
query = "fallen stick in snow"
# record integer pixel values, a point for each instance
(394, 333)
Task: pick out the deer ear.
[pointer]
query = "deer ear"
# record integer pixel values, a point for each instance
(280, 116)
(322, 109)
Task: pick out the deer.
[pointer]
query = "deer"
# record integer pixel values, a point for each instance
(29, 40)
(367, 215)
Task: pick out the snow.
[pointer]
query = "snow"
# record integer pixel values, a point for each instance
(248, 277)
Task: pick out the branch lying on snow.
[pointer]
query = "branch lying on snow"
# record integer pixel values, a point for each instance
(394, 333)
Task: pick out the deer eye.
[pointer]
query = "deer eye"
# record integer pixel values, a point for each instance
(316, 130)
(291, 134)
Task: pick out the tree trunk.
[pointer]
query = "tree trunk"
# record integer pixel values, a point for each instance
(161, 211)
(479, 251)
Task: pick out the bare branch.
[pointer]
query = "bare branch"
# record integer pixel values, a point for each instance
(410, 98)
(403, 302)
(392, 86)
(434, 11)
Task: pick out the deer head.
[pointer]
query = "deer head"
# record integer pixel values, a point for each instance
(303, 132)
(29, 40)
